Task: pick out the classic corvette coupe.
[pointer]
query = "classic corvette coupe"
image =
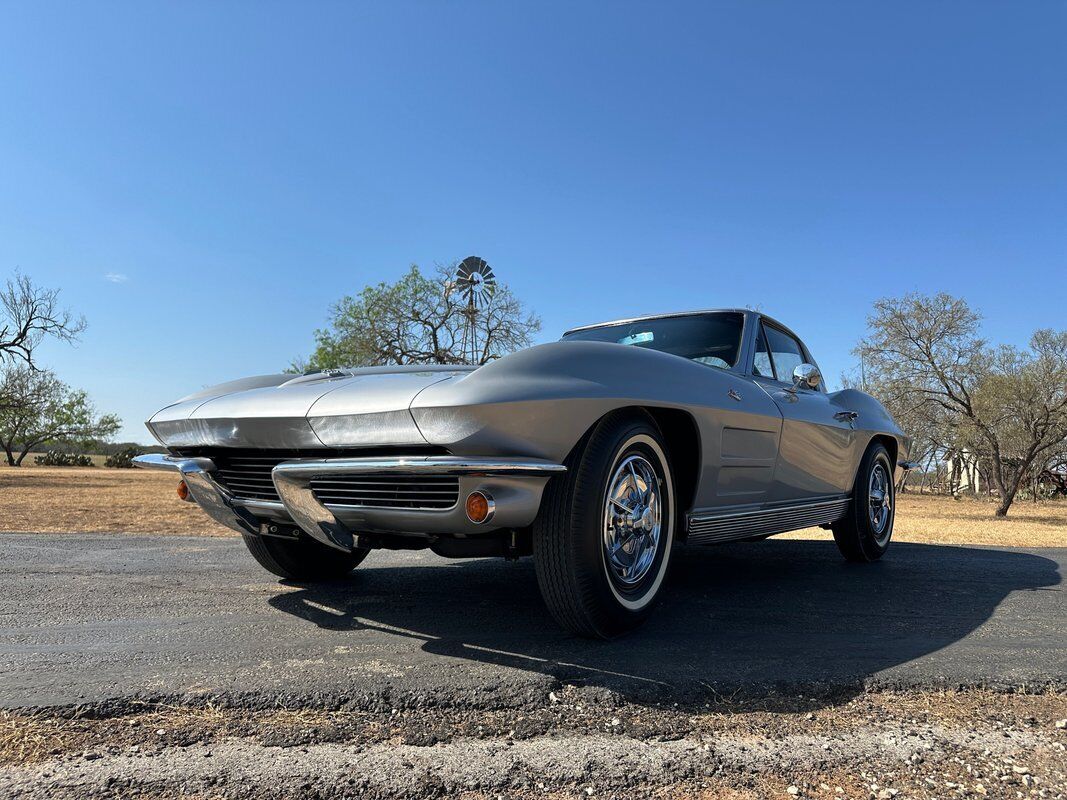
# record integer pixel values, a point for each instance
(597, 455)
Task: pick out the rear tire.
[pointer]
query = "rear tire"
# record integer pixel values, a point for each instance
(863, 534)
(603, 538)
(302, 559)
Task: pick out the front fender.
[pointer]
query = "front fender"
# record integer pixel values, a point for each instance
(540, 402)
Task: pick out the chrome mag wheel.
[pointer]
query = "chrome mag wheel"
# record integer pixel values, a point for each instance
(633, 521)
(880, 501)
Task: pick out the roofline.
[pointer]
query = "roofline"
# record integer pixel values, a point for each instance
(643, 317)
(697, 312)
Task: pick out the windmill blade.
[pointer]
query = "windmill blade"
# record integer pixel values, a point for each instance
(472, 264)
(476, 280)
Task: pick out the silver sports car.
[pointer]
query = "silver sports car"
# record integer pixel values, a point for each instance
(597, 455)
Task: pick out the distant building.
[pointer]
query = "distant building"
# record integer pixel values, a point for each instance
(971, 475)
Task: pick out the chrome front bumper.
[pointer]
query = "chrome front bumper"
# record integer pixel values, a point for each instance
(515, 485)
(216, 501)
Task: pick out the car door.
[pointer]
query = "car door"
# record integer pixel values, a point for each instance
(816, 436)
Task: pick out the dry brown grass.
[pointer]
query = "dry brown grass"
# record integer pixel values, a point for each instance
(97, 500)
(100, 500)
(938, 519)
(933, 518)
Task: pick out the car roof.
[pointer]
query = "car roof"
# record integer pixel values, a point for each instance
(745, 311)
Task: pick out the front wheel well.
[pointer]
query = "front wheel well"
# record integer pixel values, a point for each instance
(682, 437)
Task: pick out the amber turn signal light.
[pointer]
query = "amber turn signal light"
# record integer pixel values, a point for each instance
(183, 491)
(480, 507)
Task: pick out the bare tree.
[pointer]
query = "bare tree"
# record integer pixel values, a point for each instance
(925, 423)
(1007, 405)
(37, 408)
(29, 313)
(418, 320)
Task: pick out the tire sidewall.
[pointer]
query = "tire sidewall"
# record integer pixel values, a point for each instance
(644, 595)
(612, 613)
(869, 538)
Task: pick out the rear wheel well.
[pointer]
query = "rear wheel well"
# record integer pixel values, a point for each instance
(889, 443)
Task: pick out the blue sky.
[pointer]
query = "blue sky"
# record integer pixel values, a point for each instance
(204, 180)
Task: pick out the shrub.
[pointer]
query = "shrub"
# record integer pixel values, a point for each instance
(123, 459)
(55, 458)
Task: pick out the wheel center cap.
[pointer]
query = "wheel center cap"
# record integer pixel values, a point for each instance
(643, 519)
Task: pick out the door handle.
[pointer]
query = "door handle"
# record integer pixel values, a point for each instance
(845, 416)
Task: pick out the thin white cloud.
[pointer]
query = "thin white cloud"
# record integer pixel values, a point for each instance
(116, 277)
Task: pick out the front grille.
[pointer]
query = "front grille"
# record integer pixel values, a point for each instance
(387, 491)
(248, 477)
(246, 473)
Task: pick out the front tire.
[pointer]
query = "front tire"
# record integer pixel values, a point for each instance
(863, 534)
(302, 559)
(603, 539)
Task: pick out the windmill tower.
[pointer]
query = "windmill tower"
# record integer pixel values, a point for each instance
(476, 283)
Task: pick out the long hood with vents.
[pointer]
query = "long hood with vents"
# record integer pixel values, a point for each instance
(350, 408)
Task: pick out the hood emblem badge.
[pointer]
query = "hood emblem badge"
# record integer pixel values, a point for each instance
(736, 395)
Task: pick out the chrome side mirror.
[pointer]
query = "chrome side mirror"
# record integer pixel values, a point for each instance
(806, 376)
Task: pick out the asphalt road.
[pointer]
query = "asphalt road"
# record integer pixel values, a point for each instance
(86, 619)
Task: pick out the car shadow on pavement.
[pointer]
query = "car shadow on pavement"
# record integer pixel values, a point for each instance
(781, 615)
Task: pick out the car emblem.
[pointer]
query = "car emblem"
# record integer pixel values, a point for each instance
(736, 395)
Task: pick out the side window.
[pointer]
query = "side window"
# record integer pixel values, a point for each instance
(785, 353)
(761, 364)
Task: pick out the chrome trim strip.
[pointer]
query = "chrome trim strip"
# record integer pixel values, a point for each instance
(439, 465)
(216, 501)
(173, 463)
(711, 528)
(260, 505)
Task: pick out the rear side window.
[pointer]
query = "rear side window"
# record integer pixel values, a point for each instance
(786, 353)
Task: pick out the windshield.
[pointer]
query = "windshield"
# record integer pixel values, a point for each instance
(712, 339)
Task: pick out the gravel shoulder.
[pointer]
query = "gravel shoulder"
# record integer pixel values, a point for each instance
(573, 743)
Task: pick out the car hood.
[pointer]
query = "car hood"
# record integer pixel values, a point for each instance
(344, 408)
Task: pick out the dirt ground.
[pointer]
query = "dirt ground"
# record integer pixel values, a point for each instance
(97, 500)
(937, 519)
(575, 744)
(101, 500)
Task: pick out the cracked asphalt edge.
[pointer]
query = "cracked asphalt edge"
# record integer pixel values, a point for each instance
(576, 742)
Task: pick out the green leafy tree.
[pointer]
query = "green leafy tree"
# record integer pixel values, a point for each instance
(925, 358)
(418, 320)
(36, 408)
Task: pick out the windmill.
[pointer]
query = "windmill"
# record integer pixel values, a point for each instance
(476, 283)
